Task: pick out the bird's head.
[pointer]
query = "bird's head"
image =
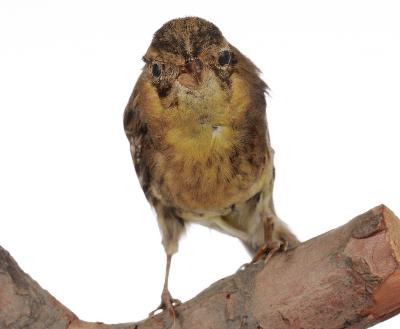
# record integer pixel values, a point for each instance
(189, 56)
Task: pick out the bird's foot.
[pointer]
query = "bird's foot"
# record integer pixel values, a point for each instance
(167, 303)
(266, 252)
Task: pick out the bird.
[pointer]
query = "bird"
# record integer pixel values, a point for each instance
(197, 128)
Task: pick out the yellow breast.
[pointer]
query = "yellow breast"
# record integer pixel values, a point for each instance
(204, 165)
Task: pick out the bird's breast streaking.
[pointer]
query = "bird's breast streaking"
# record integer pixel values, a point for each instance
(208, 159)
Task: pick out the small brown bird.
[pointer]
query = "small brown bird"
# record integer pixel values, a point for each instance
(196, 123)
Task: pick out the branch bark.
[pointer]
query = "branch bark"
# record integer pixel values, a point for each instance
(346, 278)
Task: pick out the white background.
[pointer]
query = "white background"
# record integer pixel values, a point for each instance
(71, 209)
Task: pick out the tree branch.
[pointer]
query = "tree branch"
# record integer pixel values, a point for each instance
(346, 278)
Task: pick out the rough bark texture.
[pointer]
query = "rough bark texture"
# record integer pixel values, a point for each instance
(346, 278)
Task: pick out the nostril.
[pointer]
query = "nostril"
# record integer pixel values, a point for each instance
(198, 65)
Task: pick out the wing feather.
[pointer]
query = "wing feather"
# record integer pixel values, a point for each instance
(139, 139)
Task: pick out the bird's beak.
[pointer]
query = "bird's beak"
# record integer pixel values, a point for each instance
(191, 73)
(195, 67)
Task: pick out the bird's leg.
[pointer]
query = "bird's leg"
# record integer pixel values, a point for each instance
(270, 246)
(167, 302)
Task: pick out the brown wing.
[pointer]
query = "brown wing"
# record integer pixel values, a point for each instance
(140, 141)
(142, 147)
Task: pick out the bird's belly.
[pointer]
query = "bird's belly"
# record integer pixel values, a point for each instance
(210, 164)
(211, 187)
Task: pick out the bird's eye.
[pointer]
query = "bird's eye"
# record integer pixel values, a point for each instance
(155, 70)
(224, 58)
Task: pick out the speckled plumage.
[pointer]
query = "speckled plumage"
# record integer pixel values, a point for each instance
(199, 137)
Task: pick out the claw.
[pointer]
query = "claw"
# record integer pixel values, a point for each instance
(167, 303)
(266, 251)
(271, 252)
